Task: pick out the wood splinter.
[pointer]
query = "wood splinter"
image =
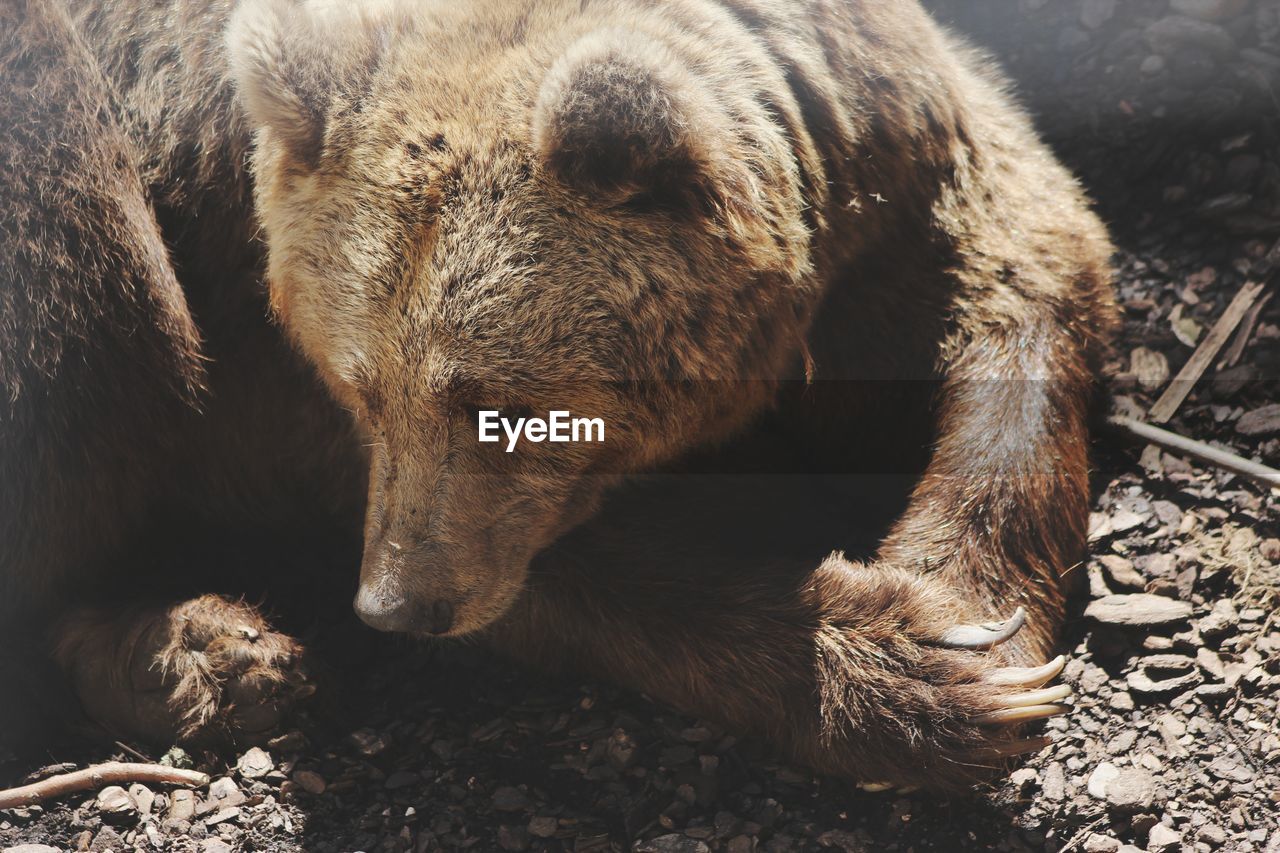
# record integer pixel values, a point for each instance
(1209, 348)
(98, 776)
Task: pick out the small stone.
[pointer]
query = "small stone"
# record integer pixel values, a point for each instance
(182, 804)
(1121, 572)
(221, 815)
(1210, 662)
(509, 799)
(368, 743)
(1230, 769)
(1122, 743)
(672, 843)
(1151, 368)
(1222, 620)
(1139, 609)
(32, 848)
(106, 839)
(1098, 843)
(1169, 35)
(1121, 701)
(214, 845)
(1095, 13)
(1168, 513)
(839, 839)
(1100, 778)
(1163, 838)
(1141, 682)
(1159, 565)
(294, 741)
(1123, 520)
(1263, 421)
(1168, 663)
(1130, 790)
(255, 764)
(1053, 785)
(543, 827)
(1023, 778)
(1215, 692)
(116, 805)
(143, 798)
(309, 781)
(401, 779)
(1151, 66)
(513, 837)
(621, 750)
(222, 792)
(1213, 834)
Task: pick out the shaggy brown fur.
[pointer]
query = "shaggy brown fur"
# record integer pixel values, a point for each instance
(666, 215)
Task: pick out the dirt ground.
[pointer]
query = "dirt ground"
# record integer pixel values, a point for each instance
(1169, 111)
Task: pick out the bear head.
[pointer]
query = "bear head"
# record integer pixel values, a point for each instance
(521, 207)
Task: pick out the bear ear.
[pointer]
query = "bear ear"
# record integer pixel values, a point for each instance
(620, 114)
(288, 62)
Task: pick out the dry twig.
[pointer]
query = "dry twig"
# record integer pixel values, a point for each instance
(1213, 342)
(98, 776)
(1223, 459)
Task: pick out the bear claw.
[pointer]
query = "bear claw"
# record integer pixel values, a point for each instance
(875, 787)
(1037, 697)
(1011, 749)
(1032, 704)
(1028, 676)
(1009, 716)
(985, 636)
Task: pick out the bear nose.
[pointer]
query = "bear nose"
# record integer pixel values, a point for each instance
(393, 612)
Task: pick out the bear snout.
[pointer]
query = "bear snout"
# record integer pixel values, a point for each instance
(390, 610)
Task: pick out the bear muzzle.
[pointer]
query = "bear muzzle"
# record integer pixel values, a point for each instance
(422, 588)
(387, 609)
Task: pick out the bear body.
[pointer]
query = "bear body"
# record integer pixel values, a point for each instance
(817, 232)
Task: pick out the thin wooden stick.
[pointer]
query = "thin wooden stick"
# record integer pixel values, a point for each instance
(133, 752)
(1236, 351)
(1223, 459)
(1199, 362)
(98, 776)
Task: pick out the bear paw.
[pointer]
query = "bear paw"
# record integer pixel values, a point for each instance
(910, 698)
(209, 672)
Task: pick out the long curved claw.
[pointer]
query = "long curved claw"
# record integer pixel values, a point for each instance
(881, 787)
(1022, 746)
(985, 636)
(1036, 697)
(1029, 676)
(1026, 714)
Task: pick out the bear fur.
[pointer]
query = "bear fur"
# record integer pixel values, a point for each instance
(743, 232)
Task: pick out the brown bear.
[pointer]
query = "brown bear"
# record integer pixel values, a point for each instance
(788, 239)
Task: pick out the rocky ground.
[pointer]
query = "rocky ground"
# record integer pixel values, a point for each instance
(1168, 109)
